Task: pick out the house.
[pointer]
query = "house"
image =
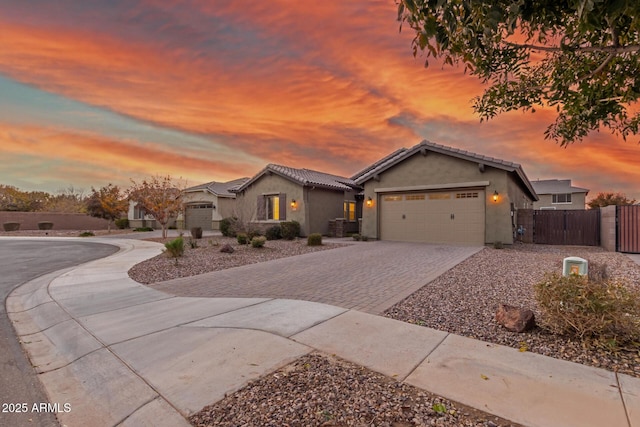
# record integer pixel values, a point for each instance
(437, 194)
(281, 193)
(207, 204)
(559, 194)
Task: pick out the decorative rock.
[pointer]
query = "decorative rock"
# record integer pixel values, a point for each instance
(515, 319)
(227, 248)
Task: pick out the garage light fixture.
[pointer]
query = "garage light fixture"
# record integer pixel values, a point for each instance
(294, 204)
(495, 196)
(369, 202)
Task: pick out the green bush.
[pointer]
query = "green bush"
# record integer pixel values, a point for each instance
(86, 234)
(364, 238)
(45, 225)
(228, 227)
(290, 229)
(605, 312)
(258, 241)
(242, 238)
(122, 223)
(143, 229)
(356, 237)
(175, 248)
(11, 226)
(273, 233)
(314, 239)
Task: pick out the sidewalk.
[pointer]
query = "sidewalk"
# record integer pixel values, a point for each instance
(120, 353)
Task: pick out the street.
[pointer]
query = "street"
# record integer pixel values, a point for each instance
(20, 262)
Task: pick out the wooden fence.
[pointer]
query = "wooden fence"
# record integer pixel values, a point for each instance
(560, 227)
(628, 230)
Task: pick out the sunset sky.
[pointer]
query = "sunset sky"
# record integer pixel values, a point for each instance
(96, 92)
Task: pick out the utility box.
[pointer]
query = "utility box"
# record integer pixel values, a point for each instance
(575, 265)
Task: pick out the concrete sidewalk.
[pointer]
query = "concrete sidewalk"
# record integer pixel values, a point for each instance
(119, 353)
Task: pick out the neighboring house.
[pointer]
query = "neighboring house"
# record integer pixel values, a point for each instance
(207, 204)
(280, 193)
(559, 194)
(437, 194)
(138, 217)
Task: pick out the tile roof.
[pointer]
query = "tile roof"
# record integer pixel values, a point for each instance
(403, 153)
(556, 186)
(305, 177)
(223, 189)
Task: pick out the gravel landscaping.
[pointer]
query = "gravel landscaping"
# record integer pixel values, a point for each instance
(321, 390)
(464, 301)
(207, 257)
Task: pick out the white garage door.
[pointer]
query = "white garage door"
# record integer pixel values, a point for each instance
(199, 215)
(433, 217)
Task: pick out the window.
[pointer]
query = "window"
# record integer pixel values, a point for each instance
(273, 207)
(561, 198)
(439, 196)
(414, 197)
(392, 198)
(349, 210)
(473, 195)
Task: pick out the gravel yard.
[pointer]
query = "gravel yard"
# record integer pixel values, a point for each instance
(464, 301)
(320, 390)
(207, 257)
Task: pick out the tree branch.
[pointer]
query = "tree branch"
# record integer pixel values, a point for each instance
(613, 50)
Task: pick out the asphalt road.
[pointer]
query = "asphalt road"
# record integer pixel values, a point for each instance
(20, 262)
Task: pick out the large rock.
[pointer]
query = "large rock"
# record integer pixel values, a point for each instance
(227, 248)
(515, 319)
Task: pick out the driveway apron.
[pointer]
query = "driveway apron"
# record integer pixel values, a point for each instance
(369, 277)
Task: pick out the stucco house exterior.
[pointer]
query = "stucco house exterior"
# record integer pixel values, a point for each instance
(280, 193)
(207, 204)
(437, 194)
(559, 194)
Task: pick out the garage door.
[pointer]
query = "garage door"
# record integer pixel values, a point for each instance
(199, 215)
(433, 217)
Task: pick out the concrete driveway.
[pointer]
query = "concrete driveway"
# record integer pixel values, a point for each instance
(368, 276)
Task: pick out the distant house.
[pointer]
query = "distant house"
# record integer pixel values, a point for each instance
(207, 204)
(280, 193)
(437, 194)
(559, 194)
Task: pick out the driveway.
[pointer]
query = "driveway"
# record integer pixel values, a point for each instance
(368, 276)
(21, 261)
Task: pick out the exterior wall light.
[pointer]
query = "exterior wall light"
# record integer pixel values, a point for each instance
(294, 204)
(369, 202)
(495, 196)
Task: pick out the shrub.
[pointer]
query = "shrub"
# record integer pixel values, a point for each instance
(229, 227)
(258, 241)
(364, 238)
(273, 233)
(86, 234)
(242, 238)
(290, 229)
(607, 312)
(175, 248)
(253, 233)
(122, 223)
(498, 245)
(45, 225)
(143, 229)
(314, 239)
(356, 237)
(196, 232)
(11, 226)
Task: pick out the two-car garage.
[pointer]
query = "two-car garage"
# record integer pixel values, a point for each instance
(456, 217)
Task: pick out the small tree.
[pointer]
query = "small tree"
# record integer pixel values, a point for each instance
(609, 198)
(108, 202)
(159, 196)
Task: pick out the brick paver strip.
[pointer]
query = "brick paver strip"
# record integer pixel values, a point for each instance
(369, 277)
